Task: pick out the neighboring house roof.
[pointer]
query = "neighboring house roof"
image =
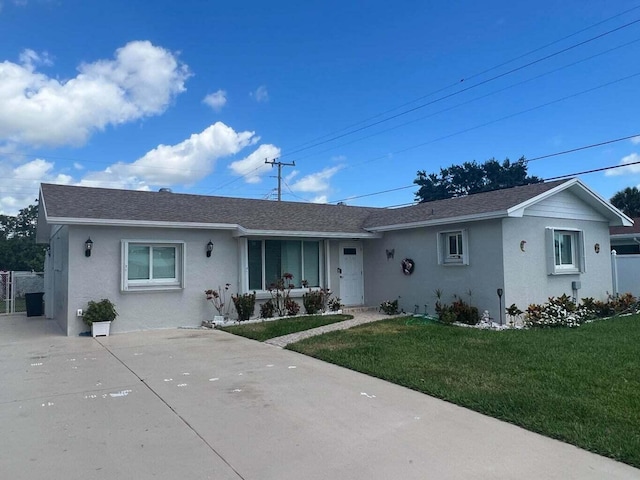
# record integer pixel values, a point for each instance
(69, 205)
(622, 233)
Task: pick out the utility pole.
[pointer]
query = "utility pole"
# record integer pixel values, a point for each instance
(280, 165)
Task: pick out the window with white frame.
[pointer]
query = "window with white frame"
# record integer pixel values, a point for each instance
(148, 265)
(565, 251)
(453, 248)
(269, 260)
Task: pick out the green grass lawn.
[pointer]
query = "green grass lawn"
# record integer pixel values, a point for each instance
(578, 385)
(276, 328)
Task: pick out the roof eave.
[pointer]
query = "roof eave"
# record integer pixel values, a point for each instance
(440, 221)
(624, 236)
(246, 232)
(140, 223)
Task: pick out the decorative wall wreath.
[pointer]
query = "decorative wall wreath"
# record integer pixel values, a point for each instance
(407, 266)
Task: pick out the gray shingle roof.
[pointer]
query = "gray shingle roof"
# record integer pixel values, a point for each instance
(85, 203)
(63, 201)
(478, 204)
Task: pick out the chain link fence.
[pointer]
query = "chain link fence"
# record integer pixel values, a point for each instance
(15, 288)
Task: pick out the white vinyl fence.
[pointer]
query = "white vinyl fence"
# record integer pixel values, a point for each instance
(626, 273)
(14, 286)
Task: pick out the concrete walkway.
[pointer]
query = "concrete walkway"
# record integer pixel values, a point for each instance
(204, 404)
(358, 319)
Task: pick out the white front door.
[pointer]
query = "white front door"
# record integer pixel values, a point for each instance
(351, 275)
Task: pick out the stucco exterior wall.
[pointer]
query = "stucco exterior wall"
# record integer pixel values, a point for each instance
(526, 276)
(384, 279)
(99, 276)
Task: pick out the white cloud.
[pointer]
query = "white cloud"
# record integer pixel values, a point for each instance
(184, 163)
(261, 94)
(628, 170)
(316, 182)
(253, 167)
(29, 59)
(635, 140)
(35, 109)
(320, 199)
(216, 100)
(19, 184)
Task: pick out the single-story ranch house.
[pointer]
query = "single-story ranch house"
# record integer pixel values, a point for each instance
(155, 253)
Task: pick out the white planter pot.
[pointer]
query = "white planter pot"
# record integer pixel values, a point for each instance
(100, 329)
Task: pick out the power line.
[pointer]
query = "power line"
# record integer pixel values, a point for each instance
(558, 100)
(612, 167)
(555, 154)
(506, 117)
(491, 79)
(462, 104)
(583, 148)
(467, 78)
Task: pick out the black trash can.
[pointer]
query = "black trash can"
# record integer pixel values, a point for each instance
(35, 304)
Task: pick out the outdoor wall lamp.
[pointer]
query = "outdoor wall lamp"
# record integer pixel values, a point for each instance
(88, 245)
(209, 248)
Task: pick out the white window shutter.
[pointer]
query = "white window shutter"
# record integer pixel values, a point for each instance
(550, 250)
(465, 247)
(581, 252)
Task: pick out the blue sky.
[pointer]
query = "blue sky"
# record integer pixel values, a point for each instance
(194, 95)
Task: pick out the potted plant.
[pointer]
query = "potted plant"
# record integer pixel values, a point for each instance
(99, 316)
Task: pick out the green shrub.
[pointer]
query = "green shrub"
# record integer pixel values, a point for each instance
(389, 307)
(459, 311)
(334, 304)
(313, 301)
(445, 313)
(245, 305)
(465, 313)
(292, 307)
(267, 309)
(102, 311)
(562, 311)
(557, 312)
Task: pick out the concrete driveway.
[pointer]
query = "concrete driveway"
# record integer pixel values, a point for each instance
(198, 404)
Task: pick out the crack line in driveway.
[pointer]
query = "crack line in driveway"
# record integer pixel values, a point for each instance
(173, 410)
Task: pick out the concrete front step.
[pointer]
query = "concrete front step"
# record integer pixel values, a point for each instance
(359, 309)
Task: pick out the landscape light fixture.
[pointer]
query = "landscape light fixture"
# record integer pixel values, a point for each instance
(500, 292)
(209, 248)
(88, 245)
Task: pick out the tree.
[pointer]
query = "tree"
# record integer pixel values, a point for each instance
(628, 200)
(18, 248)
(471, 177)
